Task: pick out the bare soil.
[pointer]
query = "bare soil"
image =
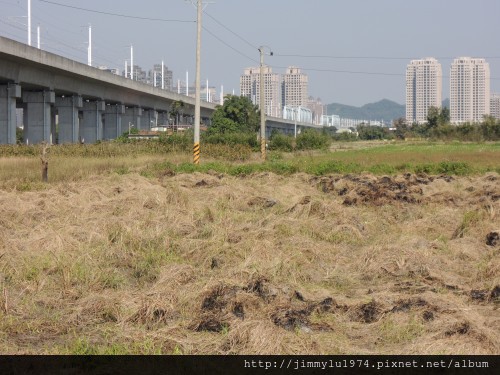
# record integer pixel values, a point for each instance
(262, 264)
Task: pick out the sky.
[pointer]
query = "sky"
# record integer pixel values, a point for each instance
(354, 51)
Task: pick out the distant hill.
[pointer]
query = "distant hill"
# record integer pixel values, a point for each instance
(384, 109)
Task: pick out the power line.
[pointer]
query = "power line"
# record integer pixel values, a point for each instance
(229, 46)
(367, 57)
(345, 71)
(116, 14)
(232, 32)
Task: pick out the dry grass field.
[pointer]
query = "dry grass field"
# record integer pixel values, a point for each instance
(209, 263)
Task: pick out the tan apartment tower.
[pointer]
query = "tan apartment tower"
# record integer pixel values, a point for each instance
(469, 90)
(250, 88)
(295, 88)
(424, 88)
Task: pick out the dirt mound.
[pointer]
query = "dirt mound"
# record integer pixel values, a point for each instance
(367, 312)
(407, 188)
(493, 238)
(374, 190)
(223, 305)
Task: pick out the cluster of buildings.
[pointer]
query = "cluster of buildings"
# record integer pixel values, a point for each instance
(162, 77)
(470, 97)
(285, 95)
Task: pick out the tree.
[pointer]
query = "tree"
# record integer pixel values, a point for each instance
(237, 114)
(176, 109)
(366, 132)
(433, 117)
(444, 116)
(438, 116)
(401, 128)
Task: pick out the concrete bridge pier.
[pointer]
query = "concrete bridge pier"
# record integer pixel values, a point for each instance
(91, 129)
(8, 120)
(133, 115)
(112, 127)
(39, 116)
(163, 118)
(149, 119)
(69, 121)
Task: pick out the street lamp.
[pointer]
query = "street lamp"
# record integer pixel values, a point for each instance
(262, 103)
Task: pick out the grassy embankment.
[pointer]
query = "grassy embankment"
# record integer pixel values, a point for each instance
(19, 165)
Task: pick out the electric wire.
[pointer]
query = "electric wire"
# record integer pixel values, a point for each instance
(228, 45)
(310, 69)
(116, 14)
(231, 31)
(367, 57)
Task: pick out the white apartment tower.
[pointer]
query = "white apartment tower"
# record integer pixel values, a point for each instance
(469, 90)
(424, 88)
(295, 87)
(250, 88)
(495, 105)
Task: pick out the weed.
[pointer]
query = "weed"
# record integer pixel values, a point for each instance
(392, 332)
(177, 350)
(469, 219)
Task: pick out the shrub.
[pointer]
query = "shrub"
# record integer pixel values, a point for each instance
(178, 141)
(232, 139)
(311, 139)
(281, 142)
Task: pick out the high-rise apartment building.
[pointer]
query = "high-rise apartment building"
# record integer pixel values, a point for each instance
(250, 88)
(317, 109)
(155, 77)
(295, 87)
(495, 105)
(424, 88)
(469, 90)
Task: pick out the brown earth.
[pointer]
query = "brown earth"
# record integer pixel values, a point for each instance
(264, 264)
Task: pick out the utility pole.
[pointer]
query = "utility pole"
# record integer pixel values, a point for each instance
(29, 22)
(262, 106)
(196, 147)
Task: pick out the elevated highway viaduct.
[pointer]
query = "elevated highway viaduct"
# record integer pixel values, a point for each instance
(91, 104)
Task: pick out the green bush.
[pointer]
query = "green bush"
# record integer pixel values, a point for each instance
(345, 137)
(490, 129)
(281, 142)
(232, 139)
(19, 136)
(178, 141)
(367, 132)
(311, 139)
(454, 168)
